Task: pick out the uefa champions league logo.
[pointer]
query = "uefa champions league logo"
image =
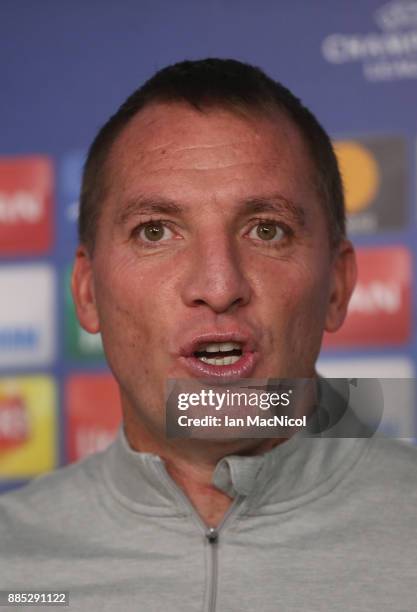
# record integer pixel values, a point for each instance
(387, 54)
(396, 15)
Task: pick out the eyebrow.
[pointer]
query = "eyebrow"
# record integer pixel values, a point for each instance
(273, 203)
(147, 206)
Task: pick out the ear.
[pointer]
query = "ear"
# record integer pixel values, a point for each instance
(344, 274)
(82, 287)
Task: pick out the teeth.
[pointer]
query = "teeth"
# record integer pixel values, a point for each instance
(223, 347)
(229, 360)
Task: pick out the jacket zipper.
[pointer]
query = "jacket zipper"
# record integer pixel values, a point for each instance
(211, 534)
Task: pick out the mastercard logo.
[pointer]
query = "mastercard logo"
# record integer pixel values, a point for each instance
(360, 173)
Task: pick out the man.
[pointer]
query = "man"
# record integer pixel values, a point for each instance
(212, 246)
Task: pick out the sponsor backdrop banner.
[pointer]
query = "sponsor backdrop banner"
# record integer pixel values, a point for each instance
(66, 67)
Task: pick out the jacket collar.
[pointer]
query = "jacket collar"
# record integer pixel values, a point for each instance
(287, 473)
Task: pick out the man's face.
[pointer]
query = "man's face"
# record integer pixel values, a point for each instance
(212, 255)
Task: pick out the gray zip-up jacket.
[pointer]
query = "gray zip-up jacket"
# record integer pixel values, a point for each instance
(316, 525)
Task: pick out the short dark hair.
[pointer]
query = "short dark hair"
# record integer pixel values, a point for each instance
(208, 83)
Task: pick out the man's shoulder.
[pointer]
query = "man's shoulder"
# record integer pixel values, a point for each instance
(59, 493)
(390, 465)
(397, 454)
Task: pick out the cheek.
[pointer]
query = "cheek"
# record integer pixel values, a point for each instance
(297, 298)
(307, 313)
(130, 314)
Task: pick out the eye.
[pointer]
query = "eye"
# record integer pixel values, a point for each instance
(154, 231)
(267, 231)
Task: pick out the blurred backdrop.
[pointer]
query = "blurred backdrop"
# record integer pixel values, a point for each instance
(66, 66)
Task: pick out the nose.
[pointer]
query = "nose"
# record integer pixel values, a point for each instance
(216, 277)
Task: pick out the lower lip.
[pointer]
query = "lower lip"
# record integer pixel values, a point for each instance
(241, 369)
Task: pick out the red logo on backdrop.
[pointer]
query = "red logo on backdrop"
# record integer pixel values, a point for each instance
(380, 309)
(14, 425)
(26, 191)
(93, 413)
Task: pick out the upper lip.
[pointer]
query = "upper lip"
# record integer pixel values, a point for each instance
(191, 346)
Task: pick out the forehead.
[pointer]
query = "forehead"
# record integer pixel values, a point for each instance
(216, 149)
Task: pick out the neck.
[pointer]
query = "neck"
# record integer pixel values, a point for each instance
(191, 464)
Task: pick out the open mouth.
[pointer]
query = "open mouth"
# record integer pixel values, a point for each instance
(225, 356)
(219, 353)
